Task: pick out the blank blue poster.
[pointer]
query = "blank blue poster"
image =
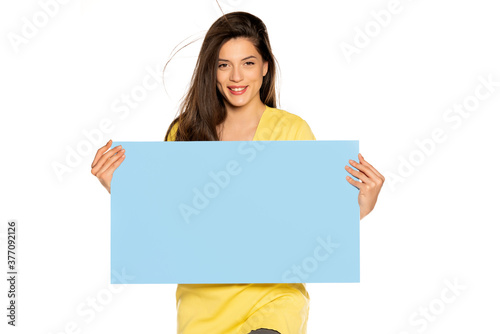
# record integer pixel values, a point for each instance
(235, 212)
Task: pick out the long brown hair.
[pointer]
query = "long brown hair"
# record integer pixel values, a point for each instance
(203, 106)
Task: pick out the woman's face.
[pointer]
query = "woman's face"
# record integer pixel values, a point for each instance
(240, 65)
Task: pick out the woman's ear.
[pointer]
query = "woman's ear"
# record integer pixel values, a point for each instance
(265, 69)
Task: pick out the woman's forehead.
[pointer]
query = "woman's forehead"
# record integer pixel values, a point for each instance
(237, 49)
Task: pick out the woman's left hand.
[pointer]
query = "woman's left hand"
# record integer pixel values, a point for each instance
(369, 187)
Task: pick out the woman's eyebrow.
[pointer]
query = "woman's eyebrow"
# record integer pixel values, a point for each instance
(242, 59)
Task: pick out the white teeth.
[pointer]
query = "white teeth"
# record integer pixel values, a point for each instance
(237, 89)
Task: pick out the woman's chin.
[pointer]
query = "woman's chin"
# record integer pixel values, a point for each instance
(236, 104)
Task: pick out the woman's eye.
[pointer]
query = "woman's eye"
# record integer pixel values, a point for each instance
(225, 65)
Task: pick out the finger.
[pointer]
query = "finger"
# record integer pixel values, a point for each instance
(111, 169)
(110, 161)
(104, 157)
(100, 152)
(364, 162)
(359, 175)
(368, 172)
(357, 184)
(102, 160)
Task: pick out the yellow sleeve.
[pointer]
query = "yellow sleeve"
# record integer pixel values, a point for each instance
(304, 132)
(171, 135)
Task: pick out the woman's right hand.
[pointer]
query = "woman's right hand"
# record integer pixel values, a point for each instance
(104, 164)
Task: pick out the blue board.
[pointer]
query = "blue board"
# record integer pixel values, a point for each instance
(235, 212)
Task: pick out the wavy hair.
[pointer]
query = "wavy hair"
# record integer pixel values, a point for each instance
(203, 107)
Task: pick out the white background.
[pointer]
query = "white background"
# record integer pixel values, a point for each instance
(439, 222)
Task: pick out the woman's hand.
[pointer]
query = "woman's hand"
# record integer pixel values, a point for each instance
(104, 164)
(370, 186)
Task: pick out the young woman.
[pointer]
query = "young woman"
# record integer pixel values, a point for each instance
(232, 97)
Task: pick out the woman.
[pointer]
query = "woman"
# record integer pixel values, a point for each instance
(232, 97)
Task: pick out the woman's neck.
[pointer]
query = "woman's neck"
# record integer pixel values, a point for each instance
(241, 122)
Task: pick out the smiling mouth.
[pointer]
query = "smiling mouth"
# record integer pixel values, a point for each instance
(238, 89)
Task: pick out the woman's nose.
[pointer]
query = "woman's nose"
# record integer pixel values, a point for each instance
(235, 74)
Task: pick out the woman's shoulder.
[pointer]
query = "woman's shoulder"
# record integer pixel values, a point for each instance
(287, 125)
(285, 116)
(173, 131)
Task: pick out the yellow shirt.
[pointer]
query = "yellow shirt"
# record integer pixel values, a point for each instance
(241, 308)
